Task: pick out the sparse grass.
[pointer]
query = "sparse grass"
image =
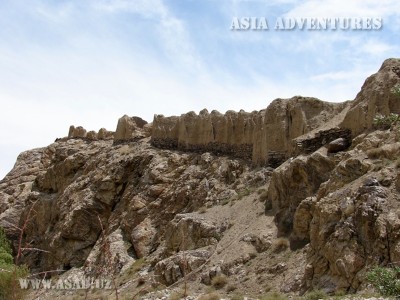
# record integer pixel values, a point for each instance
(339, 294)
(315, 295)
(210, 296)
(280, 245)
(219, 281)
(273, 296)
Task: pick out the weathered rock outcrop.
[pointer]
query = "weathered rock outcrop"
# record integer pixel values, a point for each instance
(75, 187)
(344, 204)
(187, 232)
(175, 267)
(294, 181)
(375, 97)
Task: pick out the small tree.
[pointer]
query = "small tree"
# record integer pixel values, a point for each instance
(9, 272)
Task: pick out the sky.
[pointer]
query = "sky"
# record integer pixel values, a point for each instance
(89, 62)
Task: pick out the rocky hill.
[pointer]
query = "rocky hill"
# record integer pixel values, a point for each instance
(300, 196)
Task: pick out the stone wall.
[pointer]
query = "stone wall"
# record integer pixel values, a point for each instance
(265, 136)
(312, 143)
(81, 133)
(229, 134)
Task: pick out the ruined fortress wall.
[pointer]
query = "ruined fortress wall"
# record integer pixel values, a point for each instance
(230, 134)
(265, 137)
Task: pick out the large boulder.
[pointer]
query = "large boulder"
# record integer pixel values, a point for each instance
(188, 232)
(175, 267)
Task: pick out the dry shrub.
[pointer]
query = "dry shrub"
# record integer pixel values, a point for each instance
(280, 244)
(219, 281)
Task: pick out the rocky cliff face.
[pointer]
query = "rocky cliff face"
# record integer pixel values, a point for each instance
(375, 97)
(182, 199)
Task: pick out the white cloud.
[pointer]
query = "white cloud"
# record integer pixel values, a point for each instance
(171, 30)
(56, 14)
(148, 8)
(345, 8)
(342, 76)
(375, 47)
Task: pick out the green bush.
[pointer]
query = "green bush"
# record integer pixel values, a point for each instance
(385, 280)
(5, 257)
(385, 122)
(4, 243)
(396, 90)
